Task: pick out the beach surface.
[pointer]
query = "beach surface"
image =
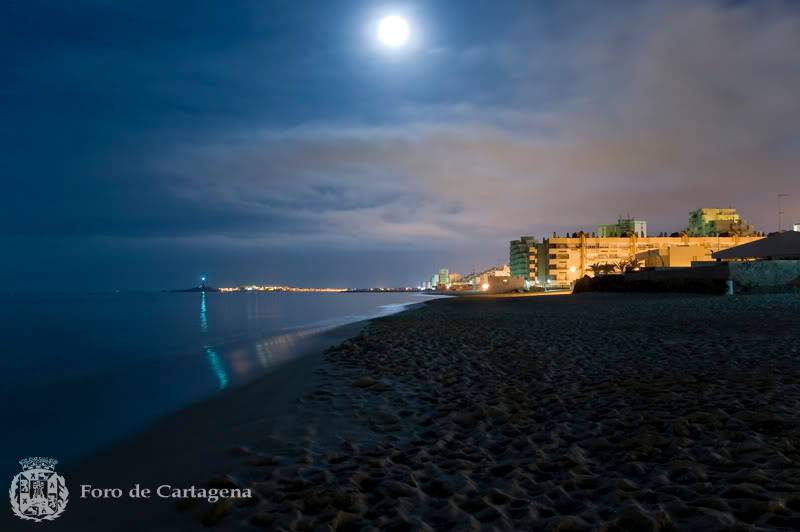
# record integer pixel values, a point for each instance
(596, 411)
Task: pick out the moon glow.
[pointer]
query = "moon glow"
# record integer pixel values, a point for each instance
(393, 31)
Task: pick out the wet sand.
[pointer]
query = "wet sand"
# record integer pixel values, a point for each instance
(596, 411)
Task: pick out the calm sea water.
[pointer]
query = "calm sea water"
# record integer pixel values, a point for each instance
(81, 371)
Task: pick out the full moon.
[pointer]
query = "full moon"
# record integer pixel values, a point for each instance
(393, 31)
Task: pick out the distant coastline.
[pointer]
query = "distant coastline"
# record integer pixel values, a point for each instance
(195, 289)
(276, 288)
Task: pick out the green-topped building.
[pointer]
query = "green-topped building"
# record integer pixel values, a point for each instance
(522, 258)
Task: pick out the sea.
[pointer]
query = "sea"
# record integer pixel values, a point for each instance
(81, 371)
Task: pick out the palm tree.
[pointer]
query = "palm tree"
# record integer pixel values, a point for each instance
(628, 265)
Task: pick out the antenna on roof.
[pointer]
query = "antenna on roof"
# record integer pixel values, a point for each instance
(780, 212)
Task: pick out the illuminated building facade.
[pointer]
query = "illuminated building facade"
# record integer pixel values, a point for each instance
(712, 222)
(675, 256)
(478, 279)
(623, 227)
(562, 260)
(523, 256)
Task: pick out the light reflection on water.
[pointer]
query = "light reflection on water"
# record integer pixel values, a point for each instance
(280, 348)
(283, 347)
(203, 313)
(214, 360)
(217, 367)
(242, 360)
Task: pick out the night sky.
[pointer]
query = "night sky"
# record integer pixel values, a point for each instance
(146, 143)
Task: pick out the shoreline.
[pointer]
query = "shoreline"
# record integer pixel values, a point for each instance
(157, 453)
(189, 446)
(98, 405)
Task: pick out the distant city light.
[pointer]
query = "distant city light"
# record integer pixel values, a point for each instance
(485, 287)
(274, 288)
(572, 269)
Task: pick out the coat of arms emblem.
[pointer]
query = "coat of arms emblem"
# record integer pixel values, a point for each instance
(38, 493)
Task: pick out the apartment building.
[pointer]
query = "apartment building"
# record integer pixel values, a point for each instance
(714, 221)
(562, 260)
(523, 255)
(623, 227)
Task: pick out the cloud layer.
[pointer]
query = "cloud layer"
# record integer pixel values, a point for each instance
(252, 137)
(682, 105)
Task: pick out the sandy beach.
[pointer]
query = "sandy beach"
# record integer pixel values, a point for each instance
(604, 412)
